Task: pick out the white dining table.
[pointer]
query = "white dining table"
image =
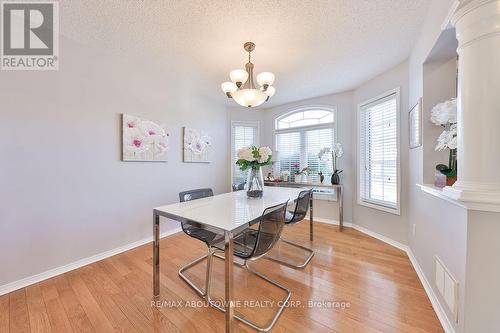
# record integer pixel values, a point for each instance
(229, 214)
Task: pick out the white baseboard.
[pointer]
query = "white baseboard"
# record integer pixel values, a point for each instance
(380, 237)
(445, 322)
(328, 221)
(9, 287)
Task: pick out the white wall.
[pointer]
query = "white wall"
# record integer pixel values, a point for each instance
(441, 227)
(64, 193)
(387, 224)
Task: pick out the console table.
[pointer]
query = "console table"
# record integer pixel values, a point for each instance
(338, 190)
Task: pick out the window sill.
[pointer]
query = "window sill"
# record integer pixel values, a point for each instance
(438, 192)
(470, 205)
(395, 211)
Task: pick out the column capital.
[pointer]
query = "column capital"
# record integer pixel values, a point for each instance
(477, 25)
(476, 19)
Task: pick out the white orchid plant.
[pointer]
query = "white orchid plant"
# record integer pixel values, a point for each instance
(445, 115)
(254, 157)
(336, 152)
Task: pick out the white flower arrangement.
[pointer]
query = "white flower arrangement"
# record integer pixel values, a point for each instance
(253, 157)
(445, 115)
(447, 139)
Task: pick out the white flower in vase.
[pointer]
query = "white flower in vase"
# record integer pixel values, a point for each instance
(264, 153)
(444, 113)
(246, 154)
(447, 139)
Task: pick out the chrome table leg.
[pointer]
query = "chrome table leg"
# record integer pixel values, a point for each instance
(229, 292)
(156, 255)
(340, 200)
(311, 235)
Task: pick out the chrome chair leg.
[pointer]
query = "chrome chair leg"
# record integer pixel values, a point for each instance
(282, 305)
(289, 264)
(191, 264)
(198, 290)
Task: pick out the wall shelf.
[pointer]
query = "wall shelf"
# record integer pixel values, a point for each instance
(471, 205)
(438, 192)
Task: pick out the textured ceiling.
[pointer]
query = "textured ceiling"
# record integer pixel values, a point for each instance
(315, 47)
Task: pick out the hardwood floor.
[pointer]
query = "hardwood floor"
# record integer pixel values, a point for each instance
(371, 287)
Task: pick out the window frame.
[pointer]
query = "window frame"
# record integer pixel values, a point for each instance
(303, 129)
(248, 123)
(360, 201)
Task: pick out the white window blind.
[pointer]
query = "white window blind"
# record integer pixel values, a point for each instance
(299, 137)
(314, 141)
(244, 135)
(378, 143)
(288, 145)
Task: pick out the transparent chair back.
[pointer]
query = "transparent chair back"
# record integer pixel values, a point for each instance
(301, 207)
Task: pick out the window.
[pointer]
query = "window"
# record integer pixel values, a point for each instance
(300, 135)
(379, 153)
(243, 134)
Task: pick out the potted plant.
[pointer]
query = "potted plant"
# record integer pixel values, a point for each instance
(307, 172)
(253, 159)
(295, 170)
(297, 176)
(445, 115)
(285, 174)
(335, 152)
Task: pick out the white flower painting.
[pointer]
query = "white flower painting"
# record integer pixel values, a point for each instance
(197, 146)
(143, 140)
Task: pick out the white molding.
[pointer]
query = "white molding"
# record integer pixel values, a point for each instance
(360, 201)
(447, 24)
(12, 286)
(440, 312)
(380, 237)
(458, 198)
(436, 305)
(329, 221)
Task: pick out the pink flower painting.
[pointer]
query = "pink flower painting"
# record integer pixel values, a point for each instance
(143, 140)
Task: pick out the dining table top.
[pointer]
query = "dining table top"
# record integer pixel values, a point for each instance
(228, 211)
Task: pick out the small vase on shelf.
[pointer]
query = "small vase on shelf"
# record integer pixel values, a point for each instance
(255, 183)
(336, 177)
(321, 177)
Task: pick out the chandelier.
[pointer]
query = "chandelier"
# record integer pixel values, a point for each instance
(242, 88)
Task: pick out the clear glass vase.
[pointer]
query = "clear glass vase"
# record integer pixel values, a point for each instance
(255, 183)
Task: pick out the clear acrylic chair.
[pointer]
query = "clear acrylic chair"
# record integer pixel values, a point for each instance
(292, 218)
(250, 245)
(206, 236)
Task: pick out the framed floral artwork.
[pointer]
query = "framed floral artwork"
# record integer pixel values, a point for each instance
(415, 125)
(197, 146)
(143, 140)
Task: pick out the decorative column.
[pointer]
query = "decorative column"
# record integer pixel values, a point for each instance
(477, 24)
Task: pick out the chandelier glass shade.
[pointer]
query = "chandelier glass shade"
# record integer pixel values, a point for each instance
(242, 87)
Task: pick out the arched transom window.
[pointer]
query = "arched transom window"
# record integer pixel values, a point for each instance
(300, 135)
(305, 118)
